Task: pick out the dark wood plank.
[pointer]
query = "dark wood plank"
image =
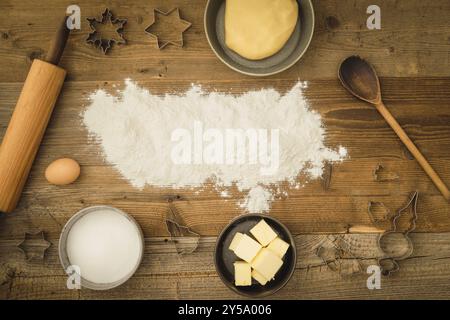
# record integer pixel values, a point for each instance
(410, 52)
(165, 275)
(409, 44)
(335, 207)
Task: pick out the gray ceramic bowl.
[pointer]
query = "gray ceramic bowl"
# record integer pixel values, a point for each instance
(63, 253)
(224, 258)
(292, 51)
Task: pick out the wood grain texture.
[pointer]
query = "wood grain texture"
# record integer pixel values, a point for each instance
(415, 152)
(26, 129)
(315, 208)
(412, 56)
(165, 275)
(413, 41)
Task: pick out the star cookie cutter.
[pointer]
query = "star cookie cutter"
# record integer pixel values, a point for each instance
(162, 43)
(97, 40)
(34, 245)
(389, 263)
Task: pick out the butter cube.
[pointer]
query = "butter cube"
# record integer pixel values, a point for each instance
(267, 263)
(263, 233)
(236, 239)
(247, 248)
(259, 277)
(242, 273)
(278, 246)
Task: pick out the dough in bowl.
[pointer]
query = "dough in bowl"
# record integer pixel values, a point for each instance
(257, 29)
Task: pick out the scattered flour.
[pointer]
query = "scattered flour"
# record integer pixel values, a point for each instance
(225, 194)
(258, 199)
(135, 130)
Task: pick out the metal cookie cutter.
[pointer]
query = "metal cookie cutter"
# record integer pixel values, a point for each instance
(177, 229)
(34, 245)
(381, 175)
(389, 263)
(160, 41)
(97, 39)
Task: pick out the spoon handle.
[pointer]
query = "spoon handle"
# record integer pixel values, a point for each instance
(413, 149)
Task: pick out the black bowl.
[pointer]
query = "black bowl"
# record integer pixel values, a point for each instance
(224, 258)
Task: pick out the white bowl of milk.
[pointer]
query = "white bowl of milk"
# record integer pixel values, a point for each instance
(100, 248)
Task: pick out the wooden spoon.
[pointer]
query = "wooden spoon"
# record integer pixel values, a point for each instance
(360, 79)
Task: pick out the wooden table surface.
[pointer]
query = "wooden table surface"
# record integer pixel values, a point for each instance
(411, 52)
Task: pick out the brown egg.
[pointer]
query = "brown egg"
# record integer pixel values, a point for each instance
(62, 171)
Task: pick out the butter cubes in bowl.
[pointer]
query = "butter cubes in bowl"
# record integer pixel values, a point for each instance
(255, 255)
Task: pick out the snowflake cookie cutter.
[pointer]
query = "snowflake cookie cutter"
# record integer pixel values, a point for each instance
(104, 44)
(389, 264)
(162, 43)
(34, 245)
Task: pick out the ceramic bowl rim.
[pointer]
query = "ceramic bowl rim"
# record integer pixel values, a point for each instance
(288, 276)
(64, 259)
(300, 55)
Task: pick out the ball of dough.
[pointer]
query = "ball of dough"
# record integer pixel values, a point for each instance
(257, 29)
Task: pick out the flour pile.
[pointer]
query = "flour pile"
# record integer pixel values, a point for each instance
(254, 141)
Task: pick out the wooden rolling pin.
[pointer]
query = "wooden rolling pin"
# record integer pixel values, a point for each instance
(29, 121)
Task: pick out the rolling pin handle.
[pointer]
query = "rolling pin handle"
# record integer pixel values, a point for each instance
(58, 43)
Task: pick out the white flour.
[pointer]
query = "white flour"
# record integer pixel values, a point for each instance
(257, 200)
(135, 130)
